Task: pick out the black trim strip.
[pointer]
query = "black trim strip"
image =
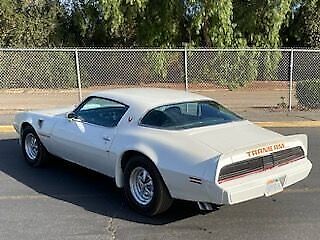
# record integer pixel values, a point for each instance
(257, 164)
(195, 180)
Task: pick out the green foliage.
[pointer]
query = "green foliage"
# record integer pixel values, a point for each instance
(232, 69)
(308, 93)
(238, 68)
(303, 25)
(40, 70)
(114, 11)
(212, 22)
(166, 23)
(29, 23)
(161, 24)
(86, 25)
(291, 32)
(152, 23)
(120, 17)
(311, 15)
(271, 62)
(161, 64)
(238, 23)
(259, 21)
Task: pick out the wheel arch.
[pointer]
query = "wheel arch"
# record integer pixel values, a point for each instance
(129, 154)
(24, 125)
(124, 159)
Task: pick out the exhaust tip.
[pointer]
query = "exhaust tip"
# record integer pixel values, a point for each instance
(205, 206)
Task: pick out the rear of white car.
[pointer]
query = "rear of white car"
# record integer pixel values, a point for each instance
(262, 170)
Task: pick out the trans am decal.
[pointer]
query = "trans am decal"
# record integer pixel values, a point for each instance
(259, 151)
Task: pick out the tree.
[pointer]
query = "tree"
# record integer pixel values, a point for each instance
(211, 22)
(303, 25)
(310, 13)
(121, 19)
(29, 23)
(154, 23)
(259, 21)
(161, 24)
(291, 33)
(85, 25)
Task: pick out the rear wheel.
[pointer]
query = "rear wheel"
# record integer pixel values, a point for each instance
(34, 152)
(144, 187)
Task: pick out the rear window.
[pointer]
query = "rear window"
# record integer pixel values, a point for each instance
(189, 115)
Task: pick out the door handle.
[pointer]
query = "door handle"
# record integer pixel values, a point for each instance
(107, 139)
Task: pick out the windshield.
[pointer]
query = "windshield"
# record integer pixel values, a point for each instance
(188, 115)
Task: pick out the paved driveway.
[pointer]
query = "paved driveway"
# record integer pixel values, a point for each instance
(63, 201)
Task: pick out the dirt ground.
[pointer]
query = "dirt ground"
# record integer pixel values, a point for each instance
(256, 104)
(237, 100)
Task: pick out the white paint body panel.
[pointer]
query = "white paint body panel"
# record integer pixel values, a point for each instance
(71, 140)
(178, 155)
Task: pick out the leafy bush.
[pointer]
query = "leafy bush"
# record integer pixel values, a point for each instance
(164, 66)
(232, 69)
(39, 70)
(308, 93)
(270, 65)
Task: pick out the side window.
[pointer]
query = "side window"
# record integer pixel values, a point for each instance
(157, 118)
(190, 109)
(102, 112)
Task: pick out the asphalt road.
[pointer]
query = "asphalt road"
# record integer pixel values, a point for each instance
(63, 201)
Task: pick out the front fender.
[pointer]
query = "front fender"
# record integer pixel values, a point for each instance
(20, 119)
(42, 124)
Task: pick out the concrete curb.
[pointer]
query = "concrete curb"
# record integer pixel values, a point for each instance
(6, 129)
(10, 129)
(289, 124)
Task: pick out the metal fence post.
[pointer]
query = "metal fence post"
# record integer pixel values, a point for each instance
(78, 76)
(186, 68)
(291, 80)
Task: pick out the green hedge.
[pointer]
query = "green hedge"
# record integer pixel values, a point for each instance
(308, 93)
(233, 69)
(39, 70)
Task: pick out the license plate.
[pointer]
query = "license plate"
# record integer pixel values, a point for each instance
(273, 186)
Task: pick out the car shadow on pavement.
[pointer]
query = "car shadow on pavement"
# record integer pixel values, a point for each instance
(84, 188)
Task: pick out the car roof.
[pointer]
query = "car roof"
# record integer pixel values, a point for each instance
(149, 97)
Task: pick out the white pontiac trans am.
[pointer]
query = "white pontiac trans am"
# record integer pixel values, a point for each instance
(161, 145)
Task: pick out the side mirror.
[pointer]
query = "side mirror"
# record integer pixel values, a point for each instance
(72, 115)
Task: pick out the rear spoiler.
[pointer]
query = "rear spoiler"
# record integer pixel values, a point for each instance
(303, 139)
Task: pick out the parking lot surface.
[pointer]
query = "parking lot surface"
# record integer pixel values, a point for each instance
(64, 201)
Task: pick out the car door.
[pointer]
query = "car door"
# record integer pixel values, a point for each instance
(85, 135)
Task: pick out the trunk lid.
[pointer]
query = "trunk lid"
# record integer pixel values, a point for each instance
(228, 137)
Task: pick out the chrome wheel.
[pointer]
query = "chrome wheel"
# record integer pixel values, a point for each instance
(141, 186)
(31, 146)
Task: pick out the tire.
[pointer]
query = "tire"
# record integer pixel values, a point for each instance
(155, 199)
(33, 151)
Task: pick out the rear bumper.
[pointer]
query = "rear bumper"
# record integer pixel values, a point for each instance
(254, 185)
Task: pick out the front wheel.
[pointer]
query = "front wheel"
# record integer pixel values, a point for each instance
(144, 187)
(34, 152)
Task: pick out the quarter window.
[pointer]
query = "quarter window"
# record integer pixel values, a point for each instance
(188, 115)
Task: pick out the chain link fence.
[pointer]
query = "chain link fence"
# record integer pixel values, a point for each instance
(242, 79)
